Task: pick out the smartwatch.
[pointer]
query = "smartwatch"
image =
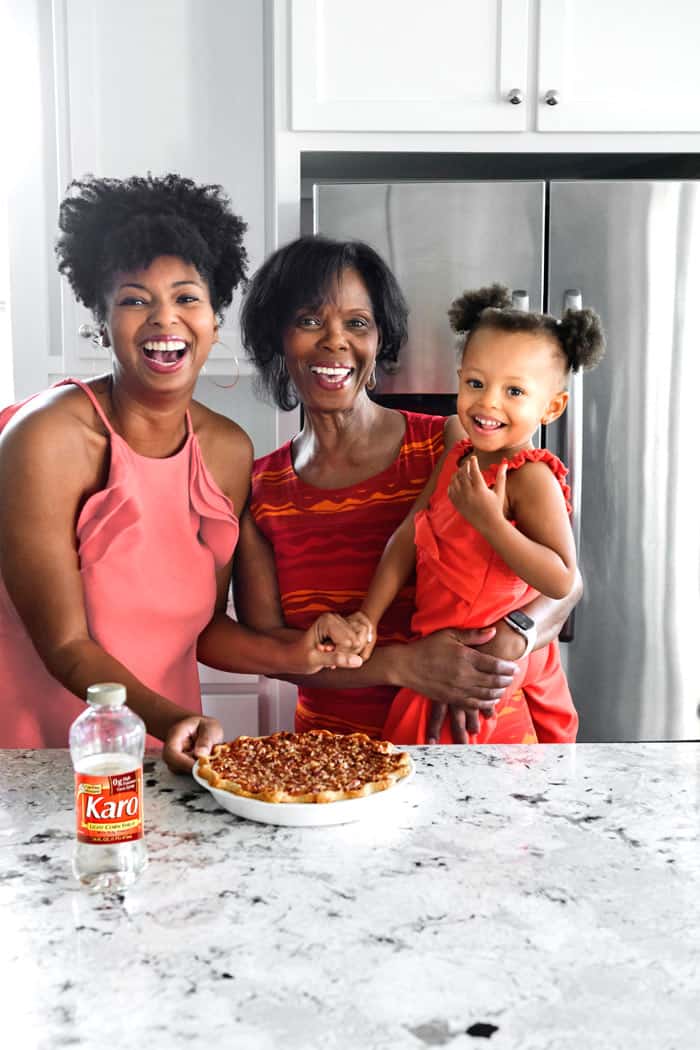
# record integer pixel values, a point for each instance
(525, 627)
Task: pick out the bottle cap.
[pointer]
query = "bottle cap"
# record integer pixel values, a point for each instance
(106, 694)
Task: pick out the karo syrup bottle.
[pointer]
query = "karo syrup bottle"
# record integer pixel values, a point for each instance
(106, 746)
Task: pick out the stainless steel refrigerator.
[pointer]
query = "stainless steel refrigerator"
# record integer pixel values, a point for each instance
(631, 250)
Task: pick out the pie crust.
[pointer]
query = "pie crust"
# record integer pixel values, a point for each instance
(315, 767)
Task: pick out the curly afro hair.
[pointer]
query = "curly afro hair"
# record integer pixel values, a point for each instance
(302, 274)
(115, 225)
(579, 334)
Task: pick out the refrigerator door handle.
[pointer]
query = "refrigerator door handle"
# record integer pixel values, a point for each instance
(572, 449)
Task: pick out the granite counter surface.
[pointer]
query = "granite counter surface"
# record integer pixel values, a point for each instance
(526, 897)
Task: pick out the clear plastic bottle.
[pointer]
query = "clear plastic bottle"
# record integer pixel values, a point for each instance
(106, 746)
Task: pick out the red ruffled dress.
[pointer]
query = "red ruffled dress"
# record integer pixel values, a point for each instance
(462, 582)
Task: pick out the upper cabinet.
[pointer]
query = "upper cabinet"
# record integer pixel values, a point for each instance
(168, 85)
(495, 65)
(447, 65)
(619, 65)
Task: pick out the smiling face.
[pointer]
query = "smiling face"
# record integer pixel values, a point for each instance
(160, 324)
(331, 349)
(509, 383)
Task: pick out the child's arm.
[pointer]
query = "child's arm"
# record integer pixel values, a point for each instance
(541, 549)
(399, 557)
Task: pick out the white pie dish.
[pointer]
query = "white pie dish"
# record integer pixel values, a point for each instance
(305, 814)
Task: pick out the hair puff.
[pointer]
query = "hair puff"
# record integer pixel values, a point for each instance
(582, 338)
(466, 311)
(579, 335)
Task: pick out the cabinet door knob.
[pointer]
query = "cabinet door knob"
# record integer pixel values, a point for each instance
(552, 98)
(515, 97)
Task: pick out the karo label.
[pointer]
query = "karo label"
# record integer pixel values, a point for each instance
(109, 808)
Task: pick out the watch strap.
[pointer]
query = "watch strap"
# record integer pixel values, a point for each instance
(529, 634)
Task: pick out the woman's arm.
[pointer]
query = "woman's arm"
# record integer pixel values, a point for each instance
(231, 646)
(549, 615)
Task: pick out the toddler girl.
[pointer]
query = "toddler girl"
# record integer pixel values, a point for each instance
(491, 528)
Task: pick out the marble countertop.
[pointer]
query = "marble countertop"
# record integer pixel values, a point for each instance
(529, 897)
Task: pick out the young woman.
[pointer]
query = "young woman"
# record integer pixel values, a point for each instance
(121, 495)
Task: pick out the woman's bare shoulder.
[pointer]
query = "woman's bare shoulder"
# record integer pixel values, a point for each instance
(58, 420)
(53, 449)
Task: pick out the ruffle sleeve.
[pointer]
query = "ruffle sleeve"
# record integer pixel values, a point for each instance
(111, 515)
(534, 455)
(218, 524)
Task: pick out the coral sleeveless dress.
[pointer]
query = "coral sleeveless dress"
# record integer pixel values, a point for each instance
(149, 544)
(462, 582)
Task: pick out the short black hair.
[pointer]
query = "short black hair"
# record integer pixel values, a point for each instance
(114, 225)
(302, 274)
(579, 334)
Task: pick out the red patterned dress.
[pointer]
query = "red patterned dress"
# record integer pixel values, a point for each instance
(462, 582)
(327, 543)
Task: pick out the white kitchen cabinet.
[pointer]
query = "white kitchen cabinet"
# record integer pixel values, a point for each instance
(619, 65)
(237, 712)
(448, 65)
(277, 702)
(452, 65)
(171, 85)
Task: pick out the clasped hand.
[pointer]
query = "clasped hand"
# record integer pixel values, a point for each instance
(337, 641)
(482, 507)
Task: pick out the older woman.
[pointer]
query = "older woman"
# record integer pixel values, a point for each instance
(118, 520)
(317, 319)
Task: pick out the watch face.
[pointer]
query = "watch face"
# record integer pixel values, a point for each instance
(520, 618)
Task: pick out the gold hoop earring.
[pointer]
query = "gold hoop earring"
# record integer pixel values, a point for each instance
(237, 376)
(372, 381)
(95, 333)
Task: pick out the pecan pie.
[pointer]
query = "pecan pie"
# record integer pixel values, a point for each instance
(317, 766)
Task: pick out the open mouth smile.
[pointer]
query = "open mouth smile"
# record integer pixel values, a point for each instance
(486, 424)
(331, 377)
(164, 355)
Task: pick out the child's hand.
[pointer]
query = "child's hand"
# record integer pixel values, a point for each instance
(329, 642)
(365, 633)
(482, 507)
